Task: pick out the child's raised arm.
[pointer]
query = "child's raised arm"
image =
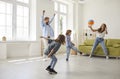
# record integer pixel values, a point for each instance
(43, 12)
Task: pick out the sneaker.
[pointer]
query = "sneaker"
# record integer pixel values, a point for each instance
(90, 56)
(53, 71)
(107, 57)
(66, 59)
(84, 54)
(48, 68)
(80, 53)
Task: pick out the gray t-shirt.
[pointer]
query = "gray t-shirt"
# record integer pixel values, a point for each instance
(54, 45)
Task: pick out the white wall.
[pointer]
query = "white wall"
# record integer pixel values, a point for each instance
(19, 49)
(3, 54)
(103, 11)
(80, 24)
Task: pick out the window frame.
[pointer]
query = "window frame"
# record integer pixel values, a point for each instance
(14, 18)
(59, 13)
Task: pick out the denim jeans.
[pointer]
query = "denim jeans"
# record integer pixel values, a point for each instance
(53, 61)
(101, 41)
(68, 50)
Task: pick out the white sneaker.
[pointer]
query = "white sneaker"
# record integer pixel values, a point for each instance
(90, 56)
(107, 57)
(83, 54)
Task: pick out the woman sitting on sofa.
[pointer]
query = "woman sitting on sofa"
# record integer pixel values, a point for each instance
(100, 39)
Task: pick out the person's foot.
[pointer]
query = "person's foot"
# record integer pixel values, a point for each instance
(48, 68)
(107, 57)
(66, 59)
(52, 71)
(80, 53)
(90, 56)
(84, 54)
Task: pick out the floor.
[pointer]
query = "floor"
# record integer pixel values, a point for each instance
(79, 67)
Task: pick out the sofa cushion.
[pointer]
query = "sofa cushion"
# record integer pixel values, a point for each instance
(85, 49)
(91, 42)
(116, 45)
(114, 51)
(111, 42)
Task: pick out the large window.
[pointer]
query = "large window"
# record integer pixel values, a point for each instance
(22, 22)
(60, 18)
(14, 19)
(6, 19)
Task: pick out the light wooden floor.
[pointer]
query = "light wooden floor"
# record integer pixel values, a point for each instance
(79, 67)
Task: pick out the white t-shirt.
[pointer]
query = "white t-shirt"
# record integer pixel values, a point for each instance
(101, 35)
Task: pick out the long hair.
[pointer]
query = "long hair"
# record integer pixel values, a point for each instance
(60, 39)
(102, 28)
(68, 31)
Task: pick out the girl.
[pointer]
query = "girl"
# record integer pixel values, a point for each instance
(51, 50)
(70, 45)
(100, 39)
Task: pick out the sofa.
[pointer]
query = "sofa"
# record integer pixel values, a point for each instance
(113, 46)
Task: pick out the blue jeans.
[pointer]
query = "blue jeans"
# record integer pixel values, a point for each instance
(101, 41)
(68, 50)
(53, 61)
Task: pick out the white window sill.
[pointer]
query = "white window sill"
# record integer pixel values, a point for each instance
(18, 41)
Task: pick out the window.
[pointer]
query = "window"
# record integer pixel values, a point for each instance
(60, 18)
(63, 8)
(56, 6)
(14, 19)
(24, 1)
(6, 20)
(22, 22)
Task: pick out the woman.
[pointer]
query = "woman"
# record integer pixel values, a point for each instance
(100, 39)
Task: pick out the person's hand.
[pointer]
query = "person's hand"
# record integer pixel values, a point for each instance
(73, 44)
(49, 55)
(89, 26)
(43, 11)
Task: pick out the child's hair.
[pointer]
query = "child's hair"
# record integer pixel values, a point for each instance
(68, 31)
(60, 39)
(46, 18)
(102, 28)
